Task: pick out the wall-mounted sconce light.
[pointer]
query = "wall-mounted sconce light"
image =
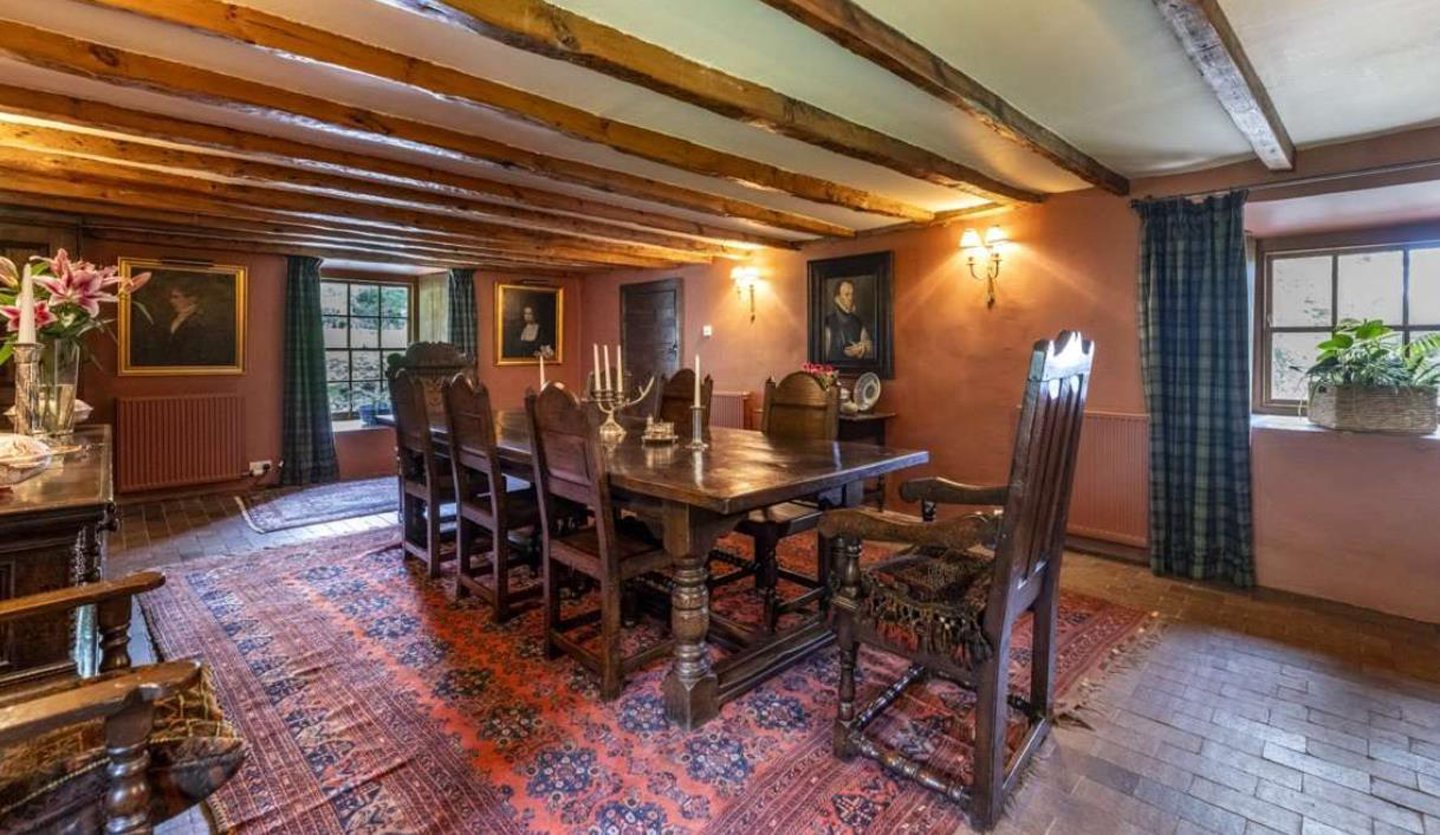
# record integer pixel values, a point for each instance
(746, 277)
(990, 249)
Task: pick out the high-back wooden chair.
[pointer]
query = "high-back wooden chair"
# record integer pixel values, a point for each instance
(426, 484)
(432, 364)
(799, 407)
(951, 611)
(490, 507)
(570, 470)
(677, 395)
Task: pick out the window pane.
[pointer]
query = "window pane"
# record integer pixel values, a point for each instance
(367, 393)
(1300, 290)
(339, 398)
(364, 300)
(337, 366)
(364, 332)
(1425, 286)
(395, 300)
(336, 330)
(1290, 355)
(367, 365)
(332, 297)
(394, 333)
(1372, 285)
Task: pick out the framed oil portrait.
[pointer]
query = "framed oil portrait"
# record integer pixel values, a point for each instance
(529, 321)
(851, 314)
(188, 319)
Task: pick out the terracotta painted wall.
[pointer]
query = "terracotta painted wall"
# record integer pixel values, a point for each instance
(958, 366)
(362, 453)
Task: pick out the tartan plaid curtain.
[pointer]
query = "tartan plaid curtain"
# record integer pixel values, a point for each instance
(308, 441)
(1195, 362)
(464, 328)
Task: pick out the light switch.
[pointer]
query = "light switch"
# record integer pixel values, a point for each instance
(707, 331)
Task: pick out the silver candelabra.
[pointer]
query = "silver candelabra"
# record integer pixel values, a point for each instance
(616, 399)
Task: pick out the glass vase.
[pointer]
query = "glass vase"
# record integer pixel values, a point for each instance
(58, 379)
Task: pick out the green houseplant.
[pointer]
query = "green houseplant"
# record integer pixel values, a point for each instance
(1366, 380)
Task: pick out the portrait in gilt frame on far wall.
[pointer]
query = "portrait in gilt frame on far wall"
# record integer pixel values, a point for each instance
(189, 319)
(529, 323)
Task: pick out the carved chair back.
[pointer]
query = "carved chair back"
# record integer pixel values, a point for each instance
(800, 406)
(677, 395)
(431, 364)
(569, 461)
(471, 425)
(1032, 530)
(412, 428)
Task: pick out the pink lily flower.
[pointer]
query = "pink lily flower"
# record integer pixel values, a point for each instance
(11, 312)
(79, 283)
(135, 282)
(9, 276)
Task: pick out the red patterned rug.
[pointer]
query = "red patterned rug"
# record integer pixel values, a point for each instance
(374, 703)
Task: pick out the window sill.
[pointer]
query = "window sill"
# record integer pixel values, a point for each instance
(354, 425)
(1296, 423)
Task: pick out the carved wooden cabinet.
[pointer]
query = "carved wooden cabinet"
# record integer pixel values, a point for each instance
(52, 535)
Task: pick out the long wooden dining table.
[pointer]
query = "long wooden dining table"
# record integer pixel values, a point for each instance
(701, 496)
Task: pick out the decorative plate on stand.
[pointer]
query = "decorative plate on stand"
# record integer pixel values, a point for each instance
(867, 391)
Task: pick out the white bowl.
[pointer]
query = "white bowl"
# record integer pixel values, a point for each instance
(21, 457)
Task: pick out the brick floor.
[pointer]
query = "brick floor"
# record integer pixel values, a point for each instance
(1254, 713)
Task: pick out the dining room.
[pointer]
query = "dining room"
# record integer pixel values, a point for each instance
(600, 416)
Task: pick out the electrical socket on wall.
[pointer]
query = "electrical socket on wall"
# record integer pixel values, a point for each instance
(707, 331)
(259, 468)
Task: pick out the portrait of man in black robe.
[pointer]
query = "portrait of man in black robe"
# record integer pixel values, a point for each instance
(851, 314)
(847, 334)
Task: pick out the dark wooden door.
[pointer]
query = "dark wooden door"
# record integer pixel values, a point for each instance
(650, 319)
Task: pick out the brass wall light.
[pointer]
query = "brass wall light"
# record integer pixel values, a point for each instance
(746, 277)
(989, 249)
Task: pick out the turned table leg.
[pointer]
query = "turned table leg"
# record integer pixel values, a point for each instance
(691, 687)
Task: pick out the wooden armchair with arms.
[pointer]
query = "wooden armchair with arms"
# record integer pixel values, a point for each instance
(117, 752)
(950, 610)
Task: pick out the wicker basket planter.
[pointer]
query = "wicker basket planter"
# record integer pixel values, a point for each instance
(1409, 411)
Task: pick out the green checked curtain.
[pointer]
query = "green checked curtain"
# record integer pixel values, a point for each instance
(308, 443)
(463, 326)
(1195, 340)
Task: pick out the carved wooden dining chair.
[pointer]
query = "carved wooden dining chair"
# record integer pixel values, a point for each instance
(569, 473)
(950, 609)
(677, 395)
(426, 483)
(432, 364)
(120, 751)
(490, 507)
(800, 407)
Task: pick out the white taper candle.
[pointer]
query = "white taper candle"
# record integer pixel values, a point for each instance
(697, 379)
(542, 369)
(620, 368)
(605, 354)
(27, 309)
(596, 372)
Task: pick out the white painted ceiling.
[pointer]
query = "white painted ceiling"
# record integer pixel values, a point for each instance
(1108, 75)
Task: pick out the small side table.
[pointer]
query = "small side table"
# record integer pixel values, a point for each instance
(867, 427)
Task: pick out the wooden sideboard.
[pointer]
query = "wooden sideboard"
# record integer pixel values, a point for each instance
(52, 535)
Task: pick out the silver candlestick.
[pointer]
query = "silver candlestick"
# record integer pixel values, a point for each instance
(697, 428)
(27, 388)
(617, 399)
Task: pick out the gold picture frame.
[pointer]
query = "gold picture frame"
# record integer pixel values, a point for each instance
(190, 305)
(546, 303)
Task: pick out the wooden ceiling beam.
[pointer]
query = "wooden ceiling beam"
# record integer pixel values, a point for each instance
(545, 29)
(42, 185)
(269, 175)
(88, 114)
(82, 169)
(351, 253)
(277, 34)
(62, 53)
(850, 25)
(1215, 50)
